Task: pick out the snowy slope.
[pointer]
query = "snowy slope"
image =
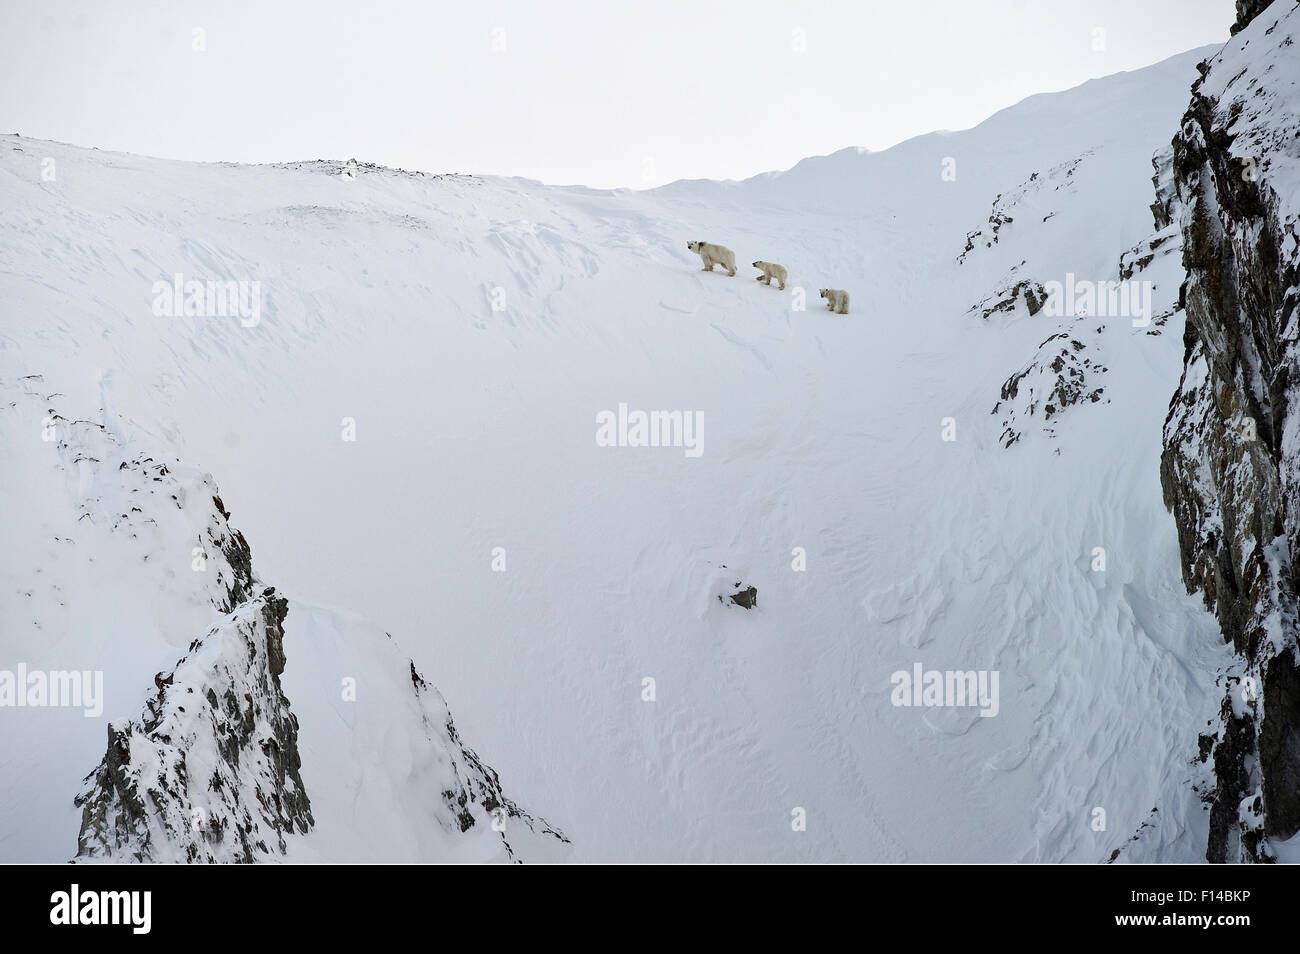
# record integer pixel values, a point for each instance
(474, 430)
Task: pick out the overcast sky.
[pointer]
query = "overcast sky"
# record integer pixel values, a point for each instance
(613, 93)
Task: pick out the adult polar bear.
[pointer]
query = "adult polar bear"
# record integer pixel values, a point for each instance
(714, 255)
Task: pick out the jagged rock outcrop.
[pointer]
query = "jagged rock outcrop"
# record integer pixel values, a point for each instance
(210, 772)
(1139, 257)
(1165, 208)
(1004, 301)
(216, 768)
(474, 782)
(1064, 371)
(1231, 460)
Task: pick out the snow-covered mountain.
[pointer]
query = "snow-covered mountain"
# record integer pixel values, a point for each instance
(401, 415)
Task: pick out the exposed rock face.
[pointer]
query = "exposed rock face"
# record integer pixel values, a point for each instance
(1148, 250)
(1231, 459)
(1247, 10)
(1005, 300)
(211, 770)
(1165, 208)
(1063, 372)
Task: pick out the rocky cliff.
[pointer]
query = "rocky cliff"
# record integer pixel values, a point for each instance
(1231, 460)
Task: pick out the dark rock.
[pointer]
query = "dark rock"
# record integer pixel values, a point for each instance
(1228, 477)
(746, 596)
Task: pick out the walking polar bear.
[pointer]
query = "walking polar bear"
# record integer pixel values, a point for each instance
(714, 255)
(771, 271)
(836, 300)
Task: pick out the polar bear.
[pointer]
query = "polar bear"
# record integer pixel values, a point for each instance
(714, 255)
(836, 300)
(771, 271)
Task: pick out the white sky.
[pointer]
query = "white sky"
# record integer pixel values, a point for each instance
(613, 93)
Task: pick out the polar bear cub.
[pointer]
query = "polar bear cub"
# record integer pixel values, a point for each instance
(714, 255)
(771, 271)
(836, 300)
